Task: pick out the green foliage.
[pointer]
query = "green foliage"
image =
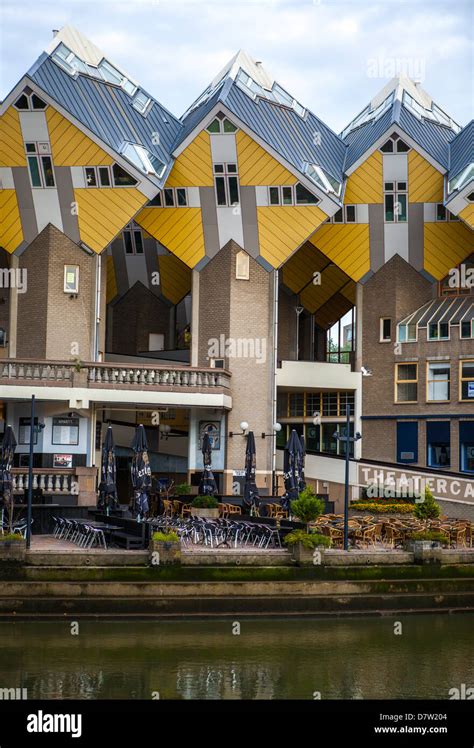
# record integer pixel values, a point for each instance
(205, 502)
(431, 535)
(309, 540)
(165, 537)
(307, 507)
(382, 507)
(10, 536)
(427, 509)
(182, 489)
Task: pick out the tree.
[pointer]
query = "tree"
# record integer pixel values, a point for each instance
(428, 508)
(307, 507)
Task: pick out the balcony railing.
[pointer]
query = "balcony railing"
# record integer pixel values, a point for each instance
(33, 372)
(49, 481)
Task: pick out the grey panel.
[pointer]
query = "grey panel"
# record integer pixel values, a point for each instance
(376, 236)
(151, 264)
(21, 180)
(461, 150)
(209, 220)
(248, 205)
(120, 266)
(266, 265)
(66, 198)
(416, 223)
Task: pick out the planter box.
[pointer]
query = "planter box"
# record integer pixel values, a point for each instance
(307, 556)
(205, 513)
(425, 551)
(13, 551)
(165, 552)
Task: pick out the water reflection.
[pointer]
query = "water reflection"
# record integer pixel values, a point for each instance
(270, 659)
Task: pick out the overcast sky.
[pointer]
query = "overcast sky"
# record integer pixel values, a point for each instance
(332, 55)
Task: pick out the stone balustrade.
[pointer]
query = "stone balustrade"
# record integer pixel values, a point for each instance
(53, 481)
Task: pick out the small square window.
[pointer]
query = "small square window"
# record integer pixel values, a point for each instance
(71, 279)
(218, 168)
(232, 168)
(30, 147)
(287, 193)
(388, 186)
(402, 186)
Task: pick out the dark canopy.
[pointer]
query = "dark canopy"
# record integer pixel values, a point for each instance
(291, 473)
(251, 496)
(108, 474)
(141, 472)
(6, 478)
(207, 485)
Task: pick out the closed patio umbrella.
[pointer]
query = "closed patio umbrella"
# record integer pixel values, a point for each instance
(301, 459)
(207, 485)
(141, 472)
(108, 474)
(6, 478)
(251, 496)
(291, 470)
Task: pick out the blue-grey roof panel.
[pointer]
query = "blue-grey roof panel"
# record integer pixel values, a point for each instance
(461, 150)
(107, 110)
(430, 136)
(362, 138)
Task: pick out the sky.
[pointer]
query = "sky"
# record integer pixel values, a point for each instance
(332, 55)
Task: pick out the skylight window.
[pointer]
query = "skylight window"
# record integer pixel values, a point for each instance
(322, 179)
(143, 159)
(277, 94)
(141, 102)
(72, 64)
(68, 60)
(369, 115)
(435, 114)
(461, 179)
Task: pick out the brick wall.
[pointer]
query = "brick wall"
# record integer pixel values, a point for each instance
(286, 326)
(4, 298)
(137, 314)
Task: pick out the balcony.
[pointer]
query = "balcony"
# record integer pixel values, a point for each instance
(310, 375)
(85, 382)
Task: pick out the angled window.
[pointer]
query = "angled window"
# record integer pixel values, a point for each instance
(143, 159)
(40, 164)
(112, 75)
(221, 126)
(228, 126)
(214, 127)
(141, 102)
(155, 202)
(122, 178)
(304, 196)
(470, 197)
(22, 102)
(324, 180)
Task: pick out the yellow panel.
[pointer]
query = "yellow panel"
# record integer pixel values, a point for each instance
(365, 184)
(282, 229)
(104, 212)
(12, 149)
(178, 229)
(299, 269)
(70, 147)
(111, 279)
(175, 278)
(446, 245)
(193, 167)
(425, 183)
(257, 167)
(347, 245)
(467, 215)
(11, 233)
(332, 280)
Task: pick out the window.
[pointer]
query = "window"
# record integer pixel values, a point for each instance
(324, 180)
(155, 201)
(66, 430)
(467, 328)
(109, 73)
(395, 202)
(104, 176)
(466, 443)
(350, 213)
(406, 383)
(395, 145)
(440, 212)
(407, 441)
(304, 196)
(242, 266)
(24, 428)
(287, 196)
(141, 102)
(40, 164)
(71, 279)
(438, 442)
(217, 363)
(156, 341)
(385, 329)
(221, 126)
(407, 332)
(3, 337)
(297, 195)
(338, 217)
(143, 159)
(274, 195)
(467, 380)
(30, 102)
(132, 239)
(438, 331)
(296, 404)
(226, 184)
(122, 178)
(470, 197)
(330, 404)
(438, 382)
(91, 176)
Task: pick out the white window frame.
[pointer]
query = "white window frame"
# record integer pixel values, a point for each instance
(67, 268)
(381, 337)
(29, 98)
(142, 108)
(291, 187)
(437, 364)
(131, 228)
(39, 155)
(396, 191)
(221, 126)
(408, 340)
(214, 361)
(242, 273)
(226, 174)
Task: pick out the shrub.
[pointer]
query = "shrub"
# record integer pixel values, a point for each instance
(427, 509)
(165, 537)
(431, 535)
(182, 489)
(307, 507)
(11, 536)
(205, 502)
(309, 540)
(382, 507)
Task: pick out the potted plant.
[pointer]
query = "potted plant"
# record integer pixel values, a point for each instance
(304, 544)
(427, 508)
(307, 507)
(12, 547)
(182, 490)
(165, 549)
(205, 506)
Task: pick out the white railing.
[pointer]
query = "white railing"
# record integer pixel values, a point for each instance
(49, 481)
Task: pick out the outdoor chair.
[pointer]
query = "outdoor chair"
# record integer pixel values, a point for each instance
(393, 535)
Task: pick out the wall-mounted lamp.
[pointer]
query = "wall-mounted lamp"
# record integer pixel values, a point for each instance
(244, 426)
(276, 428)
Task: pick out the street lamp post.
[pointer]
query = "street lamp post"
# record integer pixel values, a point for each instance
(347, 439)
(33, 430)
